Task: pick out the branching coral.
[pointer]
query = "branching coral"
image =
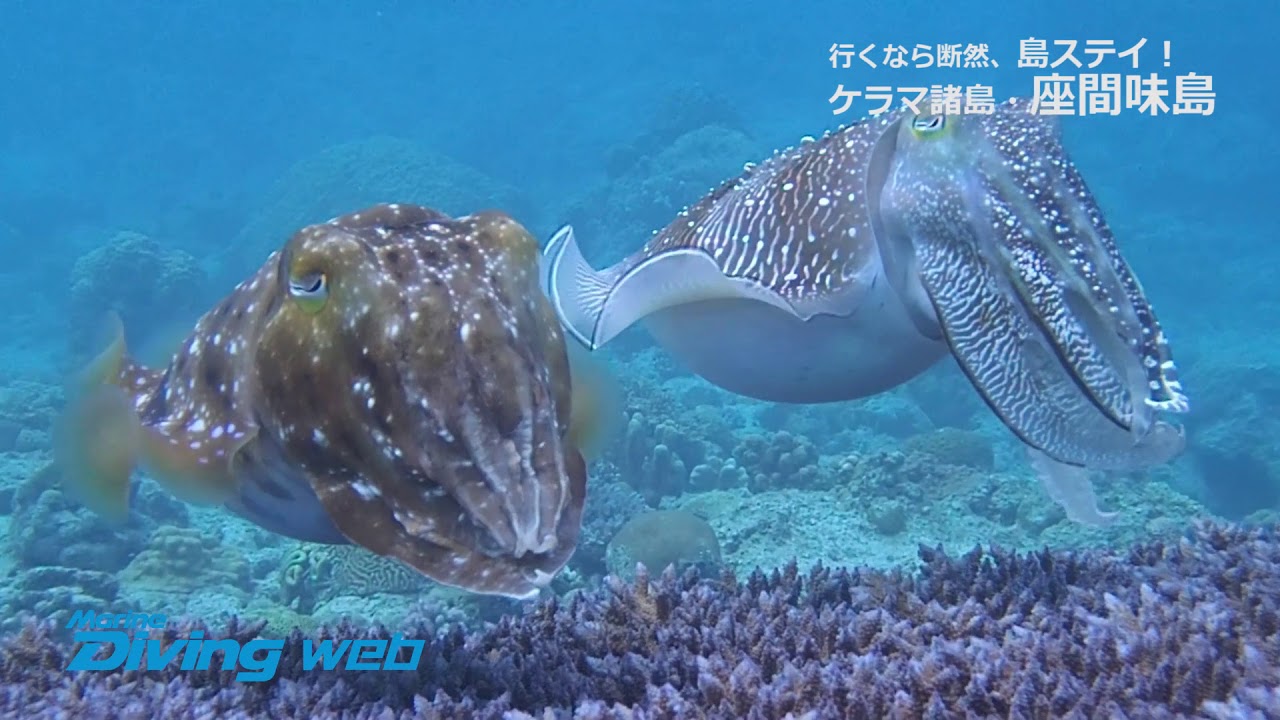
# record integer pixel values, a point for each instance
(1165, 630)
(778, 460)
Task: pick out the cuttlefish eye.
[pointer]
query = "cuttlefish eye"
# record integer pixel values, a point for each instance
(310, 290)
(928, 124)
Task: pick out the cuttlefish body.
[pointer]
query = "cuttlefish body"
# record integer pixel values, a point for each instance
(393, 378)
(846, 266)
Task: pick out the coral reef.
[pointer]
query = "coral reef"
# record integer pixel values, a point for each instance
(657, 457)
(313, 574)
(1235, 428)
(147, 283)
(362, 173)
(50, 528)
(951, 446)
(681, 111)
(54, 593)
(183, 560)
(610, 505)
(27, 411)
(1163, 630)
(780, 459)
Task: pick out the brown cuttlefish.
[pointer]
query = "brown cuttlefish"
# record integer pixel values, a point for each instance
(393, 378)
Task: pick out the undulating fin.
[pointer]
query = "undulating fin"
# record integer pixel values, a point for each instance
(595, 306)
(101, 437)
(97, 438)
(195, 471)
(577, 291)
(597, 403)
(1070, 487)
(96, 447)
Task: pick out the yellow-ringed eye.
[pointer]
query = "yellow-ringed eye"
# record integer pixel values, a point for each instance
(310, 290)
(928, 124)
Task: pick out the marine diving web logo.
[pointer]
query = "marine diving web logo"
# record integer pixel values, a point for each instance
(108, 645)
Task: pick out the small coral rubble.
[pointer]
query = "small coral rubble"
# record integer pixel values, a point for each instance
(1164, 630)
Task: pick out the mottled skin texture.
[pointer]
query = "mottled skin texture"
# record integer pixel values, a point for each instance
(798, 223)
(395, 378)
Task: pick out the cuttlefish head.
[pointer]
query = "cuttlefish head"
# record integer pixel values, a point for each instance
(1023, 278)
(414, 370)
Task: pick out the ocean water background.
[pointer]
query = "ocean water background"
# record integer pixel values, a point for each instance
(216, 128)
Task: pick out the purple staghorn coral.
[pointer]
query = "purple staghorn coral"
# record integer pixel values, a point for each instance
(1165, 630)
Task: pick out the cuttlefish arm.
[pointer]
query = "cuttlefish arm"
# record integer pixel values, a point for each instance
(1038, 307)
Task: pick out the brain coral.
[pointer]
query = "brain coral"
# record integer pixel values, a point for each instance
(659, 538)
(1163, 630)
(315, 573)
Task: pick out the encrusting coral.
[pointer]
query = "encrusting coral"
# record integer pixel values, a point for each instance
(1164, 630)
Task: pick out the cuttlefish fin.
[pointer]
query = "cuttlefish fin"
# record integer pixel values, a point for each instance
(596, 401)
(99, 440)
(596, 305)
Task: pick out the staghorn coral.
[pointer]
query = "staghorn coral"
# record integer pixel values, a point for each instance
(1163, 630)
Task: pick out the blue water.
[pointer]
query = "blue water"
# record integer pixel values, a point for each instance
(210, 128)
